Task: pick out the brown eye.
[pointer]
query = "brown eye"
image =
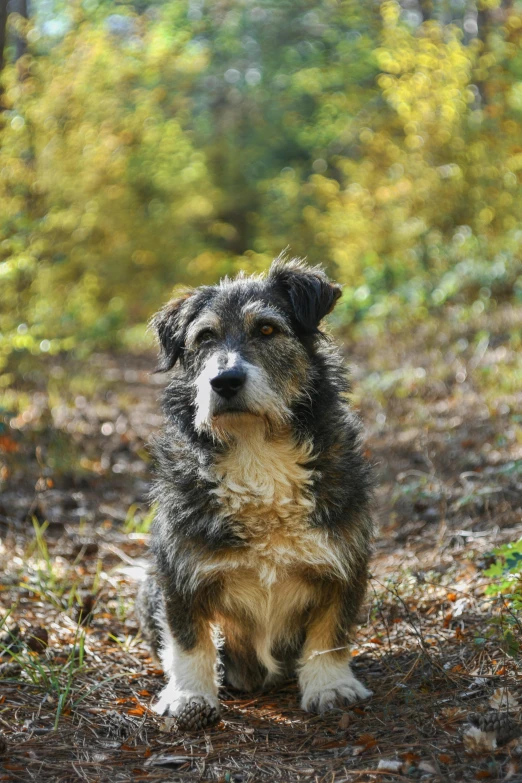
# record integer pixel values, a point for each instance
(205, 336)
(266, 329)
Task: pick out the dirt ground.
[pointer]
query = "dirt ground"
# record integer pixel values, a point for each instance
(443, 428)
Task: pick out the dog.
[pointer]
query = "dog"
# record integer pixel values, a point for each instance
(263, 528)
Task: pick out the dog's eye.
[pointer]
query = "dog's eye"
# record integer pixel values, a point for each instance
(266, 329)
(205, 336)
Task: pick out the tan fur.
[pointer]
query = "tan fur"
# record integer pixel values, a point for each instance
(264, 486)
(264, 483)
(321, 636)
(270, 611)
(324, 669)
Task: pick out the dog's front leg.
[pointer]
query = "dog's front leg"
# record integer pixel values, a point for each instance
(326, 680)
(189, 659)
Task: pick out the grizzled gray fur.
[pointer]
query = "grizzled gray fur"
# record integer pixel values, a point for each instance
(262, 533)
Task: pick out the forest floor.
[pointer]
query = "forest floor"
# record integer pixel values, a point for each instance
(440, 406)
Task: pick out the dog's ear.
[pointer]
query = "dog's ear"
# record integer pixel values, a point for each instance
(312, 295)
(170, 324)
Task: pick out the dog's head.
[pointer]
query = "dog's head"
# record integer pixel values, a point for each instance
(245, 345)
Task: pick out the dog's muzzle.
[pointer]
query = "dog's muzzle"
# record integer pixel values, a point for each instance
(228, 387)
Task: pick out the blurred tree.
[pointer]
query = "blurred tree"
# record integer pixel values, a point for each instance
(21, 9)
(146, 146)
(3, 29)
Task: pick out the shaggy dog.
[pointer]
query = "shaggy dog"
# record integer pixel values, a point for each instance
(262, 532)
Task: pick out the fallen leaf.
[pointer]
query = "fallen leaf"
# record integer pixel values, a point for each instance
(503, 699)
(345, 720)
(368, 740)
(167, 725)
(328, 744)
(410, 758)
(168, 760)
(391, 765)
(139, 711)
(426, 766)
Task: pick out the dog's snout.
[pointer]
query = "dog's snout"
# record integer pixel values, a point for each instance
(228, 383)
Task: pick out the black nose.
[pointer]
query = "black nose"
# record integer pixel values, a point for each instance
(228, 383)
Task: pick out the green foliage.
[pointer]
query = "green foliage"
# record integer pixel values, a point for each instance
(190, 142)
(56, 680)
(506, 572)
(506, 576)
(504, 630)
(138, 521)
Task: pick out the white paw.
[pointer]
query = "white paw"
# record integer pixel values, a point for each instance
(172, 702)
(333, 695)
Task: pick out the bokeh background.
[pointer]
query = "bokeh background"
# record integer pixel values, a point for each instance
(147, 144)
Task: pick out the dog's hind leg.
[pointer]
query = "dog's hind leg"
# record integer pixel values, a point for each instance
(242, 668)
(149, 609)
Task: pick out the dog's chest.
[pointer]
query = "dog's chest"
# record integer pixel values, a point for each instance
(264, 489)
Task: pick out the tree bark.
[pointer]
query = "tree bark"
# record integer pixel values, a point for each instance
(3, 29)
(20, 7)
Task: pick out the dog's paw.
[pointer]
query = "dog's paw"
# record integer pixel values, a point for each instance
(191, 710)
(335, 695)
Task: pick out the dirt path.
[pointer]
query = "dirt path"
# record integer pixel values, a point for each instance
(432, 645)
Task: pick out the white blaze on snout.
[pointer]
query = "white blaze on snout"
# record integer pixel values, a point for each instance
(204, 392)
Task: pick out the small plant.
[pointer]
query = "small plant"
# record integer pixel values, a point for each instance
(138, 521)
(506, 575)
(55, 677)
(43, 574)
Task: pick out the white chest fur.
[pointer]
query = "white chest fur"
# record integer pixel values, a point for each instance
(264, 485)
(264, 488)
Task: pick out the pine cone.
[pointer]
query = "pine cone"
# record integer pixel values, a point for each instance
(197, 715)
(37, 638)
(3, 745)
(504, 726)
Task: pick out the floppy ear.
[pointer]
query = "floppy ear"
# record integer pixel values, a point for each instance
(309, 290)
(169, 326)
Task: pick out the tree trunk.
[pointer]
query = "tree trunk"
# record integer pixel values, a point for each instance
(3, 27)
(20, 7)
